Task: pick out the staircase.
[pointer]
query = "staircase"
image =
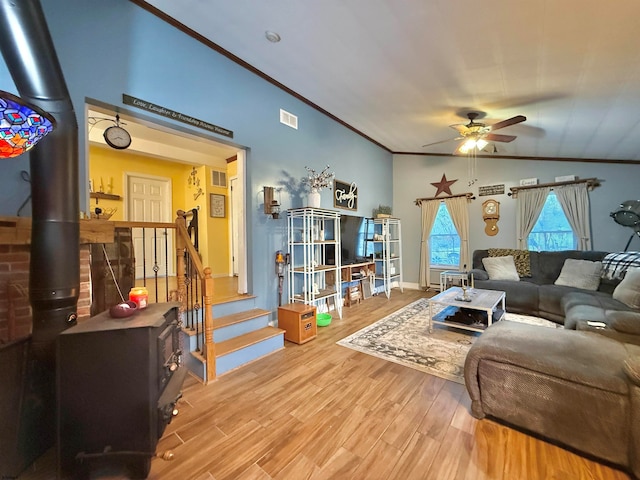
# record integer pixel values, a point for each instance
(241, 334)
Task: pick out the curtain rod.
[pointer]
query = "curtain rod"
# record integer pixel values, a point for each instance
(468, 195)
(591, 184)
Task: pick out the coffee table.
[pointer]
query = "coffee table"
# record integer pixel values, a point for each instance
(482, 300)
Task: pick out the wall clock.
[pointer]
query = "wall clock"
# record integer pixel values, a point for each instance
(116, 136)
(491, 215)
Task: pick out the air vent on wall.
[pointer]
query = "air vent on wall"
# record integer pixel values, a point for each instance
(218, 178)
(288, 119)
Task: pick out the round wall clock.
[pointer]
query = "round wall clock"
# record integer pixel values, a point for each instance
(116, 136)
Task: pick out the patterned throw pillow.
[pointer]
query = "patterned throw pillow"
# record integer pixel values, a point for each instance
(520, 257)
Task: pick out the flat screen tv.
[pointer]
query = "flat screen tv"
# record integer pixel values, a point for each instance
(352, 240)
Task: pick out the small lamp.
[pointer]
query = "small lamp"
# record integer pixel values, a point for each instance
(271, 205)
(21, 125)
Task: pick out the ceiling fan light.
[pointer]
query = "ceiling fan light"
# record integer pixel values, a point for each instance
(467, 146)
(480, 144)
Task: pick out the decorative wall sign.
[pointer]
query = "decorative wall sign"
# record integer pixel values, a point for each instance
(180, 117)
(216, 205)
(443, 185)
(491, 190)
(345, 195)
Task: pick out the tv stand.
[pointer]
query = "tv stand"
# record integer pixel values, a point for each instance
(354, 279)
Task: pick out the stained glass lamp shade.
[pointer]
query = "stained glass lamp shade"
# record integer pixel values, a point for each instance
(21, 125)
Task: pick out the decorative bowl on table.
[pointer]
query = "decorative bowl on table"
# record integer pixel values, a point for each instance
(123, 310)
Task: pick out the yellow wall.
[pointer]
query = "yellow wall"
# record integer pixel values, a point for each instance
(218, 250)
(108, 166)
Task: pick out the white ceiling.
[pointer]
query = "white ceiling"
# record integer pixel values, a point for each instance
(401, 71)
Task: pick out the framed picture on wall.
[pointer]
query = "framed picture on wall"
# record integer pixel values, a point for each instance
(345, 195)
(216, 205)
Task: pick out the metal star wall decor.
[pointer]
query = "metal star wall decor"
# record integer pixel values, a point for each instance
(443, 185)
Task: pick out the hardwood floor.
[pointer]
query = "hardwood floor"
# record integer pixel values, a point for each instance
(321, 411)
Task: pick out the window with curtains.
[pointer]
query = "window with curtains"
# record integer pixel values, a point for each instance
(444, 242)
(552, 231)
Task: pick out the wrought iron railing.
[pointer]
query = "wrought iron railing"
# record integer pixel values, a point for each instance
(187, 281)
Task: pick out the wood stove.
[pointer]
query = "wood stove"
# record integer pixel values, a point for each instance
(118, 384)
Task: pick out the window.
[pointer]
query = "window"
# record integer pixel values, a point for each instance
(444, 242)
(552, 231)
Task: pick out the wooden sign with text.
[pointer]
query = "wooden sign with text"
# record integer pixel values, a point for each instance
(345, 195)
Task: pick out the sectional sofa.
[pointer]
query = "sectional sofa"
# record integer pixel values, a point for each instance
(579, 389)
(537, 293)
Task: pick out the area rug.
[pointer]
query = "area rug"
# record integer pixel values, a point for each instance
(403, 337)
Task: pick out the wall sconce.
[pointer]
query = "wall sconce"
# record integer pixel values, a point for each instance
(194, 181)
(271, 204)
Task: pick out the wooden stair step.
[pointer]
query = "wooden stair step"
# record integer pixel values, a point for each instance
(248, 339)
(232, 298)
(238, 317)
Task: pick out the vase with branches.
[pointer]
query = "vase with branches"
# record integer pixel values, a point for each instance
(316, 182)
(319, 180)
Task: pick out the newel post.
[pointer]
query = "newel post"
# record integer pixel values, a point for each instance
(180, 262)
(209, 346)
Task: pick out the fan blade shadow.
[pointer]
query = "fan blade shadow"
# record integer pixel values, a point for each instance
(441, 141)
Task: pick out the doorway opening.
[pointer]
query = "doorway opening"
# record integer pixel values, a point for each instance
(154, 177)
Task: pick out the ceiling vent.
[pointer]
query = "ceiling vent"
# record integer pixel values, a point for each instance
(288, 119)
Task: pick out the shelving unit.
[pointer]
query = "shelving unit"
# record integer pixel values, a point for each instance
(311, 233)
(385, 244)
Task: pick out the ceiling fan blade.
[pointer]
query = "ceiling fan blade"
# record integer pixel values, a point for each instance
(496, 137)
(508, 122)
(461, 128)
(441, 141)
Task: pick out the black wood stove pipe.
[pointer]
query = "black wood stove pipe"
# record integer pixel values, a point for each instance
(54, 280)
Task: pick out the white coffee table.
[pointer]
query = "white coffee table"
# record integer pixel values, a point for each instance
(482, 300)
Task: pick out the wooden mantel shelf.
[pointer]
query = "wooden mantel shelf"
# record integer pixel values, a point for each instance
(17, 231)
(104, 196)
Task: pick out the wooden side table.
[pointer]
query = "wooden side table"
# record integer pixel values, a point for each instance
(298, 320)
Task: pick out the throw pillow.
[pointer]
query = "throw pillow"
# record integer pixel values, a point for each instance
(628, 290)
(520, 257)
(583, 274)
(501, 268)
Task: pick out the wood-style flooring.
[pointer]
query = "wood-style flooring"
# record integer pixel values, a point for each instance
(322, 411)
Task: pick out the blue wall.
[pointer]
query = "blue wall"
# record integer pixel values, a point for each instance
(110, 48)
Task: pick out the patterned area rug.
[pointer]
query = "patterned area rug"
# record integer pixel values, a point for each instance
(403, 337)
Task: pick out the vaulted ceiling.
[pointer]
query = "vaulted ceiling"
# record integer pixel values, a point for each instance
(400, 72)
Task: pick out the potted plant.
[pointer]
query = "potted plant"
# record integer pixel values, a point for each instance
(382, 211)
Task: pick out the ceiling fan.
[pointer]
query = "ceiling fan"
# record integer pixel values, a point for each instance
(477, 135)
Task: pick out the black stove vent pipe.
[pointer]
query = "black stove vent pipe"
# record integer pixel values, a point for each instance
(54, 279)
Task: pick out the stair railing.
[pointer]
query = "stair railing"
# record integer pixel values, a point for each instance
(195, 294)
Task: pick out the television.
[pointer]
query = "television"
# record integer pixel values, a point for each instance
(352, 241)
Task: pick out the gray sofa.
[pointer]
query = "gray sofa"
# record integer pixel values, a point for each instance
(537, 295)
(573, 388)
(579, 389)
